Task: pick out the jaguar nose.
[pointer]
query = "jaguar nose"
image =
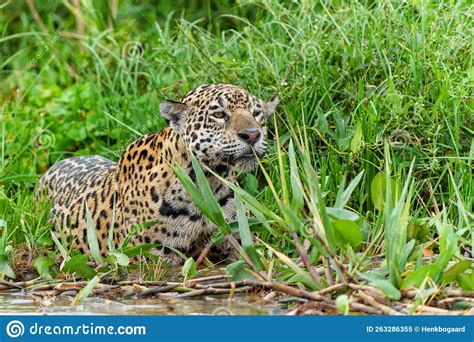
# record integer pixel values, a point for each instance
(250, 136)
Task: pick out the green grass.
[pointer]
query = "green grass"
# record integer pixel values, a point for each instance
(380, 87)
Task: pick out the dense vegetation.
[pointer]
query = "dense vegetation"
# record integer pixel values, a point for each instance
(369, 172)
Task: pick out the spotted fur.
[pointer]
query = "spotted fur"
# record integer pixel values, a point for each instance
(222, 125)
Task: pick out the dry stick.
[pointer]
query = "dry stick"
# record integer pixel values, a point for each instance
(48, 284)
(267, 284)
(236, 245)
(459, 293)
(332, 288)
(371, 301)
(244, 255)
(305, 259)
(372, 291)
(147, 282)
(327, 270)
(435, 203)
(74, 35)
(11, 285)
(36, 16)
(431, 310)
(450, 293)
(224, 285)
(455, 299)
(106, 288)
(208, 278)
(113, 12)
(342, 269)
(364, 308)
(204, 253)
(287, 290)
(157, 289)
(28, 283)
(211, 291)
(79, 19)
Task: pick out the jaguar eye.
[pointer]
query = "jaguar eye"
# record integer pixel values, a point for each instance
(219, 115)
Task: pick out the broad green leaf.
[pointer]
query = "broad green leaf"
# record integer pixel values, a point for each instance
(372, 275)
(139, 249)
(189, 269)
(342, 214)
(251, 184)
(420, 232)
(239, 270)
(347, 232)
(378, 189)
(297, 279)
(417, 277)
(356, 141)
(3, 240)
(5, 267)
(451, 274)
(45, 241)
(387, 288)
(466, 281)
(78, 264)
(118, 258)
(86, 291)
(43, 265)
(92, 237)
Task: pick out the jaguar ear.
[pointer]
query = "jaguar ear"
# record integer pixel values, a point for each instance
(270, 105)
(174, 113)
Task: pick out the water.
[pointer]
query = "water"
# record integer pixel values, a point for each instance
(24, 304)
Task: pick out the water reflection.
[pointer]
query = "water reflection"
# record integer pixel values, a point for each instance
(18, 304)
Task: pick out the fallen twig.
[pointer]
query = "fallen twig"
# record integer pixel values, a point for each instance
(304, 258)
(386, 310)
(11, 285)
(454, 300)
(210, 291)
(157, 289)
(204, 253)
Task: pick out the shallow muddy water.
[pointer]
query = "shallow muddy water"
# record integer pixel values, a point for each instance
(24, 304)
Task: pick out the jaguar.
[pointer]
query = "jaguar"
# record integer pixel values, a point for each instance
(222, 125)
